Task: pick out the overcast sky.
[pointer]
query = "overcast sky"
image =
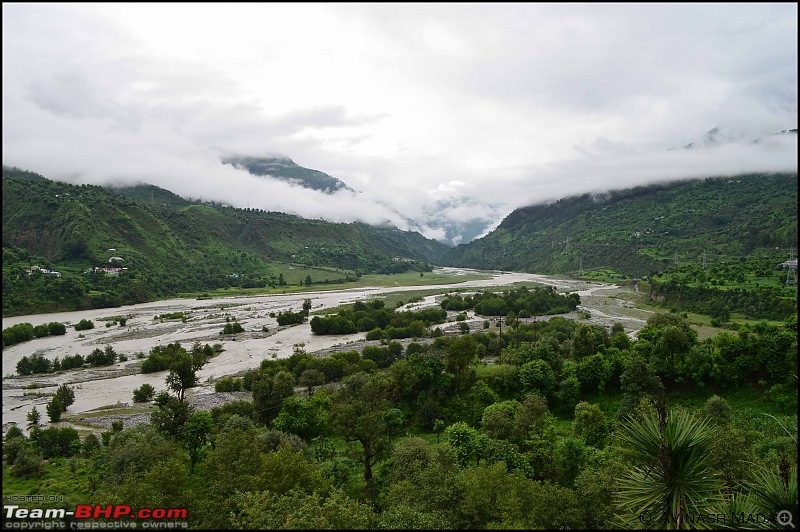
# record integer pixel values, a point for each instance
(433, 112)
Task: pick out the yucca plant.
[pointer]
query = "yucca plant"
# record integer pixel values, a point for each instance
(772, 492)
(670, 483)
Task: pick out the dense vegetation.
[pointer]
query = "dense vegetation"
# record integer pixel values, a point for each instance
(380, 321)
(750, 287)
(641, 231)
(523, 302)
(571, 426)
(169, 245)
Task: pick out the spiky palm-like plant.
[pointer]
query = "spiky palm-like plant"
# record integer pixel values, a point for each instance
(772, 493)
(670, 482)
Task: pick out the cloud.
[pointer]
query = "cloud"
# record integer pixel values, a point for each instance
(444, 117)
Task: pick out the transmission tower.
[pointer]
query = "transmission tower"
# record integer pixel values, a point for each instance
(791, 269)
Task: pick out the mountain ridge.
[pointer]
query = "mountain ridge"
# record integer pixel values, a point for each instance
(640, 230)
(285, 169)
(172, 245)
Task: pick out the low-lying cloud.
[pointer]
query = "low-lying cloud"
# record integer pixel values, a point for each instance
(444, 120)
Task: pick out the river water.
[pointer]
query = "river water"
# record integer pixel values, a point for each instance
(205, 319)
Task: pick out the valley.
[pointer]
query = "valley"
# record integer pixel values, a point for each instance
(114, 385)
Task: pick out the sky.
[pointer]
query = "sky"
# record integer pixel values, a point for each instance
(440, 116)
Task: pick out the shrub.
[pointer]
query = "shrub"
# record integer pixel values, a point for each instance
(56, 328)
(232, 328)
(718, 410)
(228, 384)
(20, 332)
(84, 325)
(144, 393)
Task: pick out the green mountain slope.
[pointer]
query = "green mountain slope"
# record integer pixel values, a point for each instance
(170, 245)
(640, 231)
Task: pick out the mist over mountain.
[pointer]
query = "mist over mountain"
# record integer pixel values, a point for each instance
(717, 136)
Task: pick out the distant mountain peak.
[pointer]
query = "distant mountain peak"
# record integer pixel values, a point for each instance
(719, 135)
(284, 168)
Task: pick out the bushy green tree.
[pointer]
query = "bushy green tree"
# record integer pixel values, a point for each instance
(28, 463)
(144, 393)
(269, 393)
(54, 409)
(359, 414)
(34, 416)
(537, 376)
(590, 424)
(171, 415)
(66, 395)
(197, 436)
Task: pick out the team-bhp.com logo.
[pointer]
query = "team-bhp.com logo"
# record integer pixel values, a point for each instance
(125, 516)
(97, 511)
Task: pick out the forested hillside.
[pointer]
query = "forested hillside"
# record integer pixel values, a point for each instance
(169, 245)
(640, 231)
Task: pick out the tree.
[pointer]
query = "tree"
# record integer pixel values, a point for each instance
(14, 441)
(637, 381)
(464, 440)
(498, 419)
(359, 414)
(306, 418)
(308, 280)
(182, 375)
(54, 409)
(91, 445)
(311, 378)
(136, 450)
(590, 424)
(197, 435)
(269, 393)
(66, 395)
(459, 356)
(28, 463)
(537, 375)
(183, 369)
(307, 302)
(171, 415)
(34, 416)
(568, 394)
(266, 510)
